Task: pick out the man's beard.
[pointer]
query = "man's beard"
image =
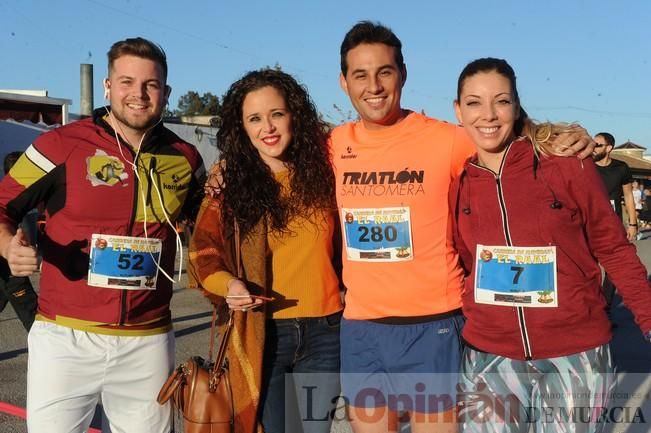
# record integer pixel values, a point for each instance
(140, 126)
(599, 157)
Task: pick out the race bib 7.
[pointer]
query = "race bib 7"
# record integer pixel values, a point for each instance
(516, 276)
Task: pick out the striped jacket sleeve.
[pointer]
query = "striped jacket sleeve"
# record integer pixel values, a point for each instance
(32, 179)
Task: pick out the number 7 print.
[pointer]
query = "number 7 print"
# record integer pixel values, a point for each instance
(518, 271)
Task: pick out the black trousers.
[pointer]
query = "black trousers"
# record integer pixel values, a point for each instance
(17, 291)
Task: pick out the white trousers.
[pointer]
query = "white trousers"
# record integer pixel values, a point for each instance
(69, 370)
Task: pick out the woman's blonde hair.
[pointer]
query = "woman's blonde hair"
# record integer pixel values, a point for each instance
(543, 134)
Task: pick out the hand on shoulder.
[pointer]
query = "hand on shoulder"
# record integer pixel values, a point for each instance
(573, 141)
(215, 180)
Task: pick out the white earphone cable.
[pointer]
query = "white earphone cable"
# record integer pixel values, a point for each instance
(178, 244)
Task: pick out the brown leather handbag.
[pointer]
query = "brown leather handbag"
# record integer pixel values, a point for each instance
(200, 389)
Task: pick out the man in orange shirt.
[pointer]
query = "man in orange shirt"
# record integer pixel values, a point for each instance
(402, 320)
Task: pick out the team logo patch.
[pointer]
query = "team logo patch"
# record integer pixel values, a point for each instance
(105, 170)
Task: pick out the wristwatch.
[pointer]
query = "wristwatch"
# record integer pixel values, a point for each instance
(647, 336)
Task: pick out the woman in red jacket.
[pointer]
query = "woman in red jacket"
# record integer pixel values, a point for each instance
(531, 230)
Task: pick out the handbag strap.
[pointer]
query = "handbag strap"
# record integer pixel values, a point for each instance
(213, 327)
(221, 353)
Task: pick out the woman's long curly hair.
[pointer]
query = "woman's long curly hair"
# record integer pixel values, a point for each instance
(249, 190)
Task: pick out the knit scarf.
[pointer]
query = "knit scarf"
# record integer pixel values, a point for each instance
(212, 249)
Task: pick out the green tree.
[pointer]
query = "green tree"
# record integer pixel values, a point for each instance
(193, 104)
(211, 104)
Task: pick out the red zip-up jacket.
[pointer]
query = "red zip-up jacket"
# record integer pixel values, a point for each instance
(88, 185)
(542, 202)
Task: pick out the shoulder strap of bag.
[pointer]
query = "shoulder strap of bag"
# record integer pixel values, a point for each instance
(221, 353)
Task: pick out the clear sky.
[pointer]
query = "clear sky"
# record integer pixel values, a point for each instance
(583, 61)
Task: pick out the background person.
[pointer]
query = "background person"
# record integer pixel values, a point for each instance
(531, 231)
(18, 291)
(618, 180)
(637, 196)
(104, 328)
(276, 181)
(645, 215)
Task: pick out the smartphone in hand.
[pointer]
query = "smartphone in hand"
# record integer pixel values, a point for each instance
(262, 298)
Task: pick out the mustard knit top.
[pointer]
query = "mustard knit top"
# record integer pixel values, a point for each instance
(303, 281)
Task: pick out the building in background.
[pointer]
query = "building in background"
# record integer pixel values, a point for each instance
(26, 114)
(633, 155)
(35, 106)
(199, 131)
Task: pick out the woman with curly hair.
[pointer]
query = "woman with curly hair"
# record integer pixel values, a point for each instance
(273, 192)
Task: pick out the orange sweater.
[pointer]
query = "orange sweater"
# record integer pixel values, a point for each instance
(392, 191)
(302, 279)
(304, 283)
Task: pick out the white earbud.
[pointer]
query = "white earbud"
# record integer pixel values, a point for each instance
(107, 90)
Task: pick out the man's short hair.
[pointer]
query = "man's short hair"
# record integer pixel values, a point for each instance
(138, 47)
(368, 32)
(610, 140)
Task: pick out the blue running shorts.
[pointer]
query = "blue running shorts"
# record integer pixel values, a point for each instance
(411, 367)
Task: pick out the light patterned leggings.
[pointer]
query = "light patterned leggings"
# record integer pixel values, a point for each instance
(568, 394)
